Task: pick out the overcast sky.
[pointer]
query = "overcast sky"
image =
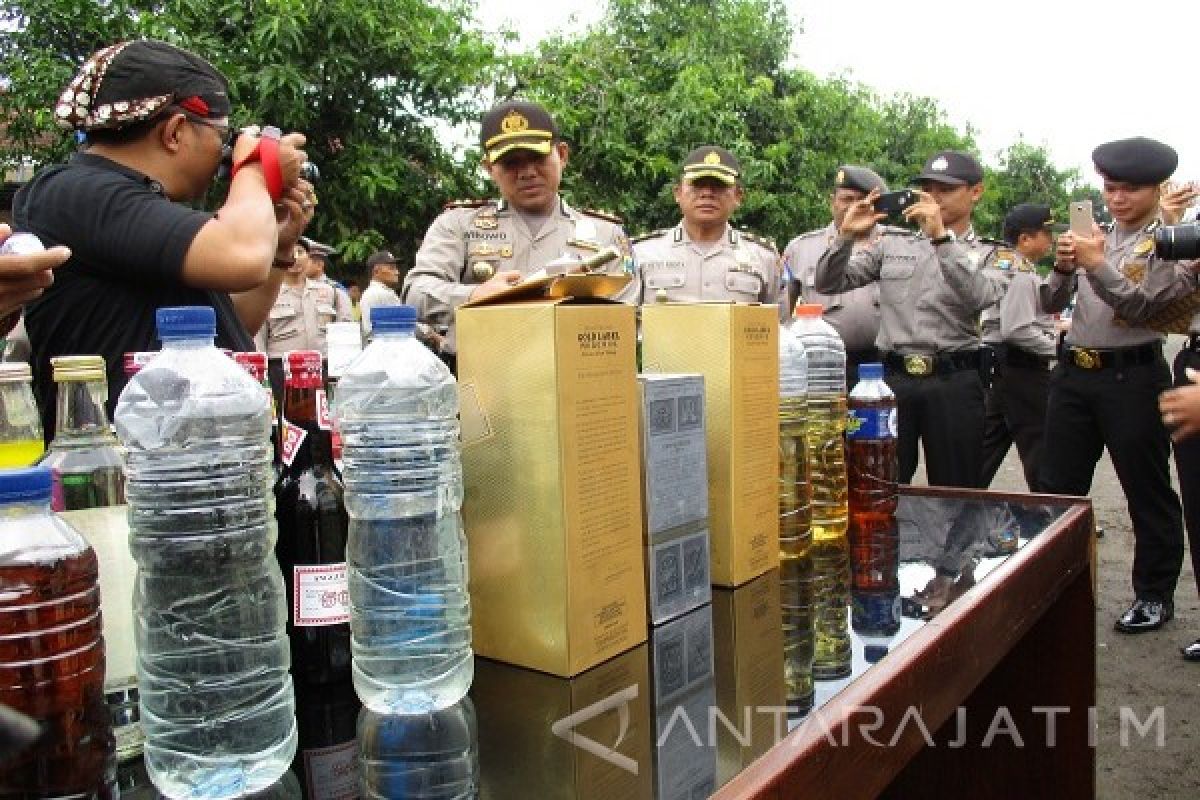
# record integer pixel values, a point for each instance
(1062, 73)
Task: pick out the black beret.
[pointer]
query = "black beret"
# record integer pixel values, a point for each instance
(517, 125)
(1026, 218)
(710, 161)
(1140, 161)
(860, 179)
(953, 167)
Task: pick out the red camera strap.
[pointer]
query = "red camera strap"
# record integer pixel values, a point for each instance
(266, 152)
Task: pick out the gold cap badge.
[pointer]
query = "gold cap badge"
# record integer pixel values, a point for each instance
(712, 158)
(514, 122)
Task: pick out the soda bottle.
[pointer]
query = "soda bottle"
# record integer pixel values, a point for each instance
(21, 442)
(824, 437)
(397, 408)
(795, 521)
(311, 512)
(255, 364)
(83, 457)
(209, 604)
(51, 647)
(873, 466)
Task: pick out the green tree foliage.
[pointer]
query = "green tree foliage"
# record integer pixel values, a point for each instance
(373, 83)
(1025, 175)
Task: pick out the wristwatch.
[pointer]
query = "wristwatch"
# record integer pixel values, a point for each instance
(948, 236)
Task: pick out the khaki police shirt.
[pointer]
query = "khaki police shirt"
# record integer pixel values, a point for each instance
(930, 295)
(466, 245)
(853, 314)
(739, 267)
(1018, 320)
(1108, 305)
(297, 320)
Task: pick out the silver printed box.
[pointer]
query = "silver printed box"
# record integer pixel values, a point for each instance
(677, 572)
(685, 693)
(674, 460)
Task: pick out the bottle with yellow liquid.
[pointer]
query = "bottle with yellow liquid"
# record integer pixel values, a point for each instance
(795, 523)
(824, 436)
(20, 427)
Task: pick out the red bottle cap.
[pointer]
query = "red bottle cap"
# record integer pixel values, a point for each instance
(302, 369)
(254, 363)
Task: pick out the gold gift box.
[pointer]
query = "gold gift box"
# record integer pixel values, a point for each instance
(751, 691)
(552, 507)
(736, 348)
(526, 719)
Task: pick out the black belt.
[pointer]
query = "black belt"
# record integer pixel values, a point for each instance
(924, 366)
(1012, 356)
(1093, 358)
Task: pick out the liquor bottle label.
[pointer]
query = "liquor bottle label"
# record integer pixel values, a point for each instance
(320, 595)
(332, 772)
(871, 423)
(324, 419)
(293, 437)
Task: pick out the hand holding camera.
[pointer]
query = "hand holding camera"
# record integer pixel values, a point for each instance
(861, 217)
(927, 214)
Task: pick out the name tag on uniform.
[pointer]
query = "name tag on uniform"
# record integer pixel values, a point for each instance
(282, 312)
(743, 282)
(325, 308)
(664, 274)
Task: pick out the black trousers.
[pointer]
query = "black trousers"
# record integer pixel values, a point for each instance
(1187, 461)
(943, 412)
(856, 357)
(1016, 412)
(1117, 408)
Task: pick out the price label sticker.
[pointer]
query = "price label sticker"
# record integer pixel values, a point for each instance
(320, 595)
(324, 419)
(293, 437)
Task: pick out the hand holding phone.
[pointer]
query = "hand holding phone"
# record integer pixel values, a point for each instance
(894, 203)
(1081, 218)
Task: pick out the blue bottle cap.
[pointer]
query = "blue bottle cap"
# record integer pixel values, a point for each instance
(870, 372)
(394, 319)
(874, 653)
(29, 485)
(186, 322)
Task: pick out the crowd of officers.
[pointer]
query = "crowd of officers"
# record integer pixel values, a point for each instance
(963, 324)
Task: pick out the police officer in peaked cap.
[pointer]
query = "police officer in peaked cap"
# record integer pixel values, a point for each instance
(1104, 391)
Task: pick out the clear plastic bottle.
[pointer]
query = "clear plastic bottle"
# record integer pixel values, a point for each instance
(429, 756)
(216, 697)
(874, 495)
(21, 442)
(51, 647)
(83, 457)
(397, 409)
(824, 436)
(795, 521)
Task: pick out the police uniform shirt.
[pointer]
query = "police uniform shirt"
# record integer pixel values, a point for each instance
(853, 314)
(1109, 305)
(467, 244)
(1018, 319)
(930, 295)
(298, 319)
(739, 267)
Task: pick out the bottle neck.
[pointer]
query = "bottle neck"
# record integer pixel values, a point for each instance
(194, 343)
(392, 335)
(80, 411)
(302, 407)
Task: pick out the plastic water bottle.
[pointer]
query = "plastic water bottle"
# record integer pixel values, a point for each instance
(209, 604)
(397, 409)
(795, 521)
(430, 756)
(52, 650)
(824, 436)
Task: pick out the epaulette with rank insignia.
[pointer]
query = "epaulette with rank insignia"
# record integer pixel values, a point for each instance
(608, 216)
(993, 242)
(650, 235)
(762, 241)
(468, 204)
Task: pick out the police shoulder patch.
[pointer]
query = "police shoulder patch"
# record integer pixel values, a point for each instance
(468, 204)
(607, 216)
(1005, 260)
(761, 241)
(651, 235)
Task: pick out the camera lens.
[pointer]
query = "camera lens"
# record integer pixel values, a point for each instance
(1177, 242)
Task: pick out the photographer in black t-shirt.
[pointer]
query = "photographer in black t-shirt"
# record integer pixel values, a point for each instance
(156, 121)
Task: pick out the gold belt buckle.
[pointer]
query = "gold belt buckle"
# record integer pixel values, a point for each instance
(1085, 358)
(918, 365)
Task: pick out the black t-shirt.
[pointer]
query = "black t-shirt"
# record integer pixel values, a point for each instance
(128, 243)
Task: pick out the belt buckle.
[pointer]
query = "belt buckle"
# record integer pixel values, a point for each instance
(1085, 358)
(919, 366)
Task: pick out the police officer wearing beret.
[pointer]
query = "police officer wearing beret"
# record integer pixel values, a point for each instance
(1104, 391)
(476, 249)
(1024, 339)
(933, 284)
(853, 314)
(704, 258)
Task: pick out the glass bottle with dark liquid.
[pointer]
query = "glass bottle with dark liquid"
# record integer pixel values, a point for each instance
(84, 456)
(51, 647)
(311, 513)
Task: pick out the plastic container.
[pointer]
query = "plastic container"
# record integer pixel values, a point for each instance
(824, 437)
(51, 647)
(397, 410)
(21, 442)
(209, 604)
(83, 457)
(429, 756)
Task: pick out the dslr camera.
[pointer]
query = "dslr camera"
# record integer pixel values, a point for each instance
(1178, 242)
